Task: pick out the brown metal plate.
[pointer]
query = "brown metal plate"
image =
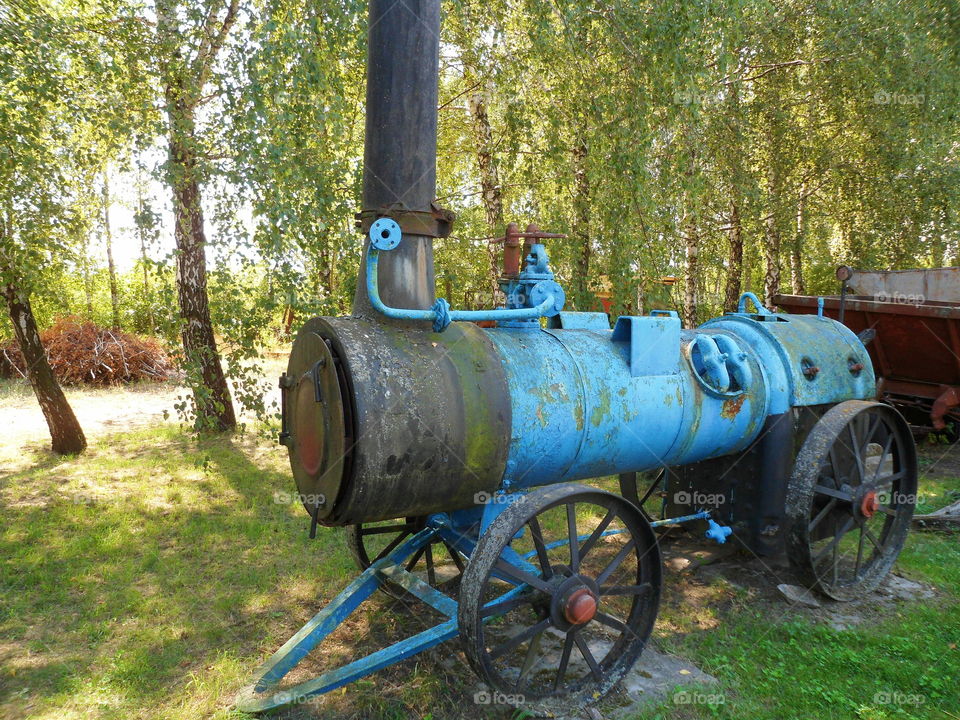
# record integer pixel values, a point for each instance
(317, 426)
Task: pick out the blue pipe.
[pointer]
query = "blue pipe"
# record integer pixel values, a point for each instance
(742, 305)
(440, 314)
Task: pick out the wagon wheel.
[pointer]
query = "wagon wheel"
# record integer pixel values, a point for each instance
(438, 563)
(584, 609)
(629, 487)
(851, 498)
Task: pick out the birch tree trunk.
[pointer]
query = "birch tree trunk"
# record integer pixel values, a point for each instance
(581, 226)
(796, 250)
(111, 268)
(692, 238)
(734, 284)
(491, 191)
(771, 280)
(144, 260)
(87, 281)
(66, 434)
(183, 86)
(211, 395)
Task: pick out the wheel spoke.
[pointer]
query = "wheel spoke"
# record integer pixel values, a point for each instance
(518, 639)
(856, 568)
(615, 563)
(564, 660)
(431, 573)
(503, 607)
(856, 455)
(822, 514)
(883, 456)
(612, 622)
(871, 431)
(572, 535)
(595, 535)
(537, 534)
(528, 661)
(835, 465)
(833, 543)
(383, 529)
(416, 558)
(588, 656)
(830, 492)
(454, 555)
(871, 538)
(888, 481)
(642, 589)
(512, 571)
(390, 547)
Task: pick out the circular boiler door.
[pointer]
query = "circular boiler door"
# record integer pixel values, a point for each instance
(319, 423)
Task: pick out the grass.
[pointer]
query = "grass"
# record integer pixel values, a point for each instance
(150, 576)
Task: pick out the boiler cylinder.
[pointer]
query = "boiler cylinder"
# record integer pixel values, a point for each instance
(387, 420)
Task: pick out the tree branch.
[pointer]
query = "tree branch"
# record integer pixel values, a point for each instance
(212, 42)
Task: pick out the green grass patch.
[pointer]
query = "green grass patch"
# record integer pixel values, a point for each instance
(150, 576)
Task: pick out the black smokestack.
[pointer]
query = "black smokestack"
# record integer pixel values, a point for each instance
(400, 147)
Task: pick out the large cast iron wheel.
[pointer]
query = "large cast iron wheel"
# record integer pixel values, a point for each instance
(851, 498)
(438, 563)
(589, 564)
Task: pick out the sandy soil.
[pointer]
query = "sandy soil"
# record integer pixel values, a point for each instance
(101, 411)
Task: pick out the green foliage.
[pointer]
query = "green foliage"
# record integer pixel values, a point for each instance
(830, 129)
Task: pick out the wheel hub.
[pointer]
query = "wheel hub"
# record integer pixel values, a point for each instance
(870, 504)
(575, 602)
(580, 607)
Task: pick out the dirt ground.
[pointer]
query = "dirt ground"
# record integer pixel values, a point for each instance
(101, 411)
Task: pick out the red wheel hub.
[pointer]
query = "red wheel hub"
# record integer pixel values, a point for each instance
(580, 607)
(870, 504)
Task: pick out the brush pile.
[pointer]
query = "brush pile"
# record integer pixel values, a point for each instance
(80, 352)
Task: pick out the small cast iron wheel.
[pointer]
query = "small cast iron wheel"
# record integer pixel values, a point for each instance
(851, 498)
(588, 566)
(438, 563)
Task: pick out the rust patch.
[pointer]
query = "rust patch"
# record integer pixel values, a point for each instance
(540, 417)
(732, 407)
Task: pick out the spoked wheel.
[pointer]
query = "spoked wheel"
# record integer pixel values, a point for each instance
(582, 569)
(438, 563)
(851, 498)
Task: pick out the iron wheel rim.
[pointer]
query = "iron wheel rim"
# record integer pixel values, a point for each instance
(638, 558)
(851, 499)
(425, 562)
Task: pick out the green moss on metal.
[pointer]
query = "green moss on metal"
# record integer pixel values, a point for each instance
(596, 417)
(485, 432)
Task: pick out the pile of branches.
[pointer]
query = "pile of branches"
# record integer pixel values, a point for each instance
(80, 352)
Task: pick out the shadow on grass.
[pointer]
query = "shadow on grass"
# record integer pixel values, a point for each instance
(174, 581)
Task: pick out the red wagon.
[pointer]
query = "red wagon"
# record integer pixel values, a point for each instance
(914, 316)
